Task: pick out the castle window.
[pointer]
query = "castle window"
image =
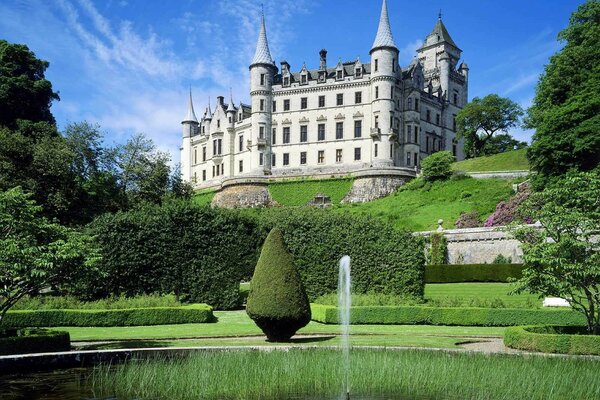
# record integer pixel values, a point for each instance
(376, 92)
(393, 65)
(416, 104)
(274, 136)
(427, 144)
(340, 99)
(416, 134)
(218, 123)
(376, 65)
(339, 130)
(204, 153)
(274, 106)
(392, 150)
(358, 97)
(408, 133)
(303, 79)
(286, 105)
(357, 154)
(286, 158)
(455, 99)
(357, 129)
(213, 171)
(241, 143)
(409, 105)
(262, 105)
(322, 76)
(239, 119)
(273, 160)
(304, 103)
(203, 174)
(338, 155)
(262, 79)
(195, 177)
(437, 119)
(454, 149)
(241, 169)
(195, 155)
(261, 132)
(321, 157)
(286, 135)
(376, 150)
(260, 158)
(302, 158)
(416, 159)
(408, 159)
(286, 81)
(358, 73)
(377, 122)
(454, 122)
(218, 170)
(339, 74)
(203, 130)
(428, 115)
(392, 93)
(321, 132)
(229, 119)
(303, 133)
(321, 101)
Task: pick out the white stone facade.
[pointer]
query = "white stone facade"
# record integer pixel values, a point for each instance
(334, 119)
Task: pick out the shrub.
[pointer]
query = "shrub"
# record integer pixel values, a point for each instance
(44, 302)
(437, 166)
(500, 259)
(439, 248)
(24, 341)
(463, 316)
(277, 301)
(468, 220)
(192, 314)
(552, 339)
(507, 212)
(472, 273)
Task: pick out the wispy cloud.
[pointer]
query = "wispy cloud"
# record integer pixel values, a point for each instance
(521, 82)
(409, 50)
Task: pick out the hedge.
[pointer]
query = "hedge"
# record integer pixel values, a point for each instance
(383, 259)
(472, 273)
(552, 339)
(463, 316)
(195, 313)
(34, 341)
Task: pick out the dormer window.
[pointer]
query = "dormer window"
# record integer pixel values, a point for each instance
(322, 76)
(304, 79)
(358, 73)
(339, 74)
(286, 81)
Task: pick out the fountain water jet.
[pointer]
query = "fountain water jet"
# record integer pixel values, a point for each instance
(344, 303)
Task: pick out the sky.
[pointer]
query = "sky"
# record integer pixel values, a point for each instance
(128, 65)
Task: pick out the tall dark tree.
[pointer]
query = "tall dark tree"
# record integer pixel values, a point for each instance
(501, 144)
(566, 108)
(25, 93)
(479, 120)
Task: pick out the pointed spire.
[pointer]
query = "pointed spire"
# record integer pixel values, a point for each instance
(191, 115)
(439, 34)
(384, 36)
(262, 54)
(230, 107)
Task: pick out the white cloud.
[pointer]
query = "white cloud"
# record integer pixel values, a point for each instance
(521, 82)
(408, 51)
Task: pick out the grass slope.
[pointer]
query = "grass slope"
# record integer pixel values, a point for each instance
(299, 193)
(417, 207)
(203, 198)
(509, 161)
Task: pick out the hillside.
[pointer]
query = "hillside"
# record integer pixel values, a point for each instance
(299, 193)
(509, 161)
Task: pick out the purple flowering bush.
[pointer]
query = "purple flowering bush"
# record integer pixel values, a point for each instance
(468, 220)
(508, 211)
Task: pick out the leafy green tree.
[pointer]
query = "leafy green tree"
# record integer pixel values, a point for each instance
(501, 144)
(36, 254)
(566, 108)
(563, 258)
(481, 119)
(277, 301)
(25, 93)
(437, 166)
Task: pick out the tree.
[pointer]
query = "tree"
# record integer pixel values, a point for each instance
(277, 301)
(501, 144)
(563, 258)
(24, 91)
(437, 166)
(566, 108)
(479, 120)
(36, 254)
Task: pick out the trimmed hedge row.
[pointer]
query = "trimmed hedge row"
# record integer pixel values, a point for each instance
(195, 313)
(464, 316)
(34, 341)
(552, 339)
(472, 273)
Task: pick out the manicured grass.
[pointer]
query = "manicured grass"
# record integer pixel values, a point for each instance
(299, 193)
(375, 374)
(418, 207)
(43, 302)
(492, 294)
(203, 198)
(509, 161)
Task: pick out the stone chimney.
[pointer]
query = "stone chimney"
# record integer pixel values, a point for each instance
(323, 56)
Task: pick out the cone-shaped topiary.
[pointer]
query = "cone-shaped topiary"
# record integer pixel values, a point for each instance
(277, 301)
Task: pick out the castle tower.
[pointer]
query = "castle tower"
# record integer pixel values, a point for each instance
(384, 71)
(262, 72)
(190, 128)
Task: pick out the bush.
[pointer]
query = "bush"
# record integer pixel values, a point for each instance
(437, 166)
(192, 314)
(507, 212)
(463, 316)
(23, 341)
(472, 273)
(384, 260)
(552, 339)
(44, 302)
(277, 301)
(468, 220)
(439, 248)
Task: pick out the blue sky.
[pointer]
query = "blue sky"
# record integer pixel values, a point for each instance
(128, 64)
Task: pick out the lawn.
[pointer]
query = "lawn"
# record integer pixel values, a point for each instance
(485, 293)
(418, 207)
(203, 198)
(299, 193)
(510, 161)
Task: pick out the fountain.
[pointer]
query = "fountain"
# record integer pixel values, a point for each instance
(344, 303)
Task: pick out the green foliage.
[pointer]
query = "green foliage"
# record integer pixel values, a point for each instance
(437, 166)
(509, 161)
(438, 252)
(500, 259)
(563, 258)
(566, 108)
(23, 341)
(463, 316)
(472, 273)
(36, 254)
(203, 198)
(299, 193)
(24, 91)
(552, 339)
(479, 120)
(198, 253)
(384, 260)
(502, 143)
(486, 295)
(367, 299)
(277, 301)
(190, 314)
(44, 302)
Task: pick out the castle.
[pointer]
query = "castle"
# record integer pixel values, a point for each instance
(335, 119)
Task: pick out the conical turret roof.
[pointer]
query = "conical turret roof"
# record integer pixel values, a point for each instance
(262, 54)
(439, 34)
(191, 115)
(384, 36)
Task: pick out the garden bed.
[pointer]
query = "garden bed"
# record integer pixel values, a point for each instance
(553, 339)
(22, 341)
